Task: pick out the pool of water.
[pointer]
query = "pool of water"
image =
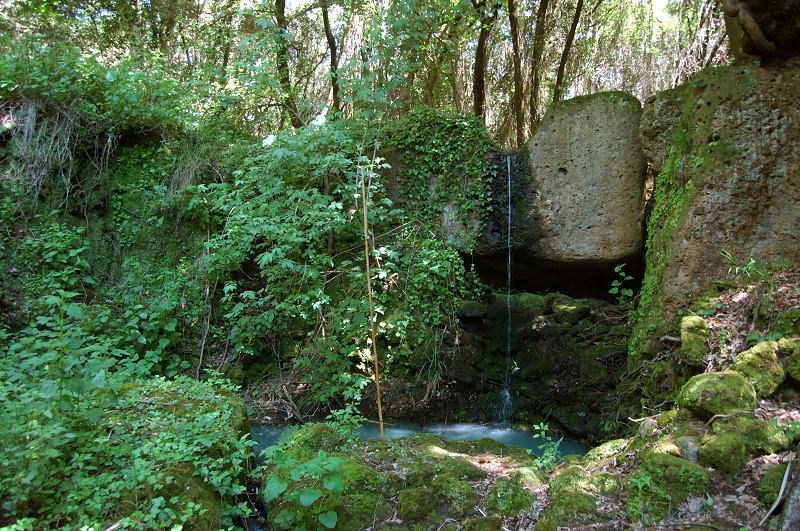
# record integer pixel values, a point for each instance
(265, 436)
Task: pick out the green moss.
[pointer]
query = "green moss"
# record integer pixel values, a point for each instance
(788, 322)
(660, 483)
(314, 436)
(569, 311)
(528, 478)
(694, 333)
(665, 418)
(460, 499)
(591, 371)
(770, 485)
(569, 508)
(508, 499)
(709, 394)
(734, 441)
(761, 367)
(566, 479)
(415, 504)
(605, 451)
(790, 352)
(725, 451)
(485, 523)
(531, 303)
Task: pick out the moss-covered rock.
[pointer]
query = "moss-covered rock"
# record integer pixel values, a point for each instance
(788, 322)
(604, 451)
(532, 303)
(415, 504)
(315, 436)
(694, 333)
(458, 498)
(715, 393)
(734, 441)
(528, 478)
(485, 523)
(507, 499)
(472, 309)
(660, 484)
(761, 367)
(569, 508)
(770, 485)
(569, 311)
(789, 349)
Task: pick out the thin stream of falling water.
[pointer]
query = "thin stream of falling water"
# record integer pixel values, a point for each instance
(505, 393)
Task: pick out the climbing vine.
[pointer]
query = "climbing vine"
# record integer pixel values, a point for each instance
(445, 156)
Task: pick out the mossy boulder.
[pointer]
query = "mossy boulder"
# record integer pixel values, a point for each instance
(569, 311)
(315, 436)
(605, 451)
(532, 303)
(660, 484)
(761, 367)
(569, 508)
(415, 504)
(577, 479)
(789, 349)
(528, 478)
(455, 496)
(508, 499)
(733, 442)
(788, 322)
(716, 393)
(770, 485)
(694, 333)
(485, 523)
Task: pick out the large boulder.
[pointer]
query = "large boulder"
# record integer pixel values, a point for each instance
(587, 181)
(731, 182)
(717, 393)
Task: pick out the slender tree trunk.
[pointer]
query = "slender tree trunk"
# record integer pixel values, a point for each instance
(337, 105)
(562, 65)
(374, 345)
(538, 51)
(487, 15)
(520, 122)
(282, 60)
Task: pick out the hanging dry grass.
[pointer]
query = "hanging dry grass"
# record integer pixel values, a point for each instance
(50, 146)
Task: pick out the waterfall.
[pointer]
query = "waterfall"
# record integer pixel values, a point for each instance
(506, 405)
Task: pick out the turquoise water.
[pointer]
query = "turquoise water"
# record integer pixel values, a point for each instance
(265, 436)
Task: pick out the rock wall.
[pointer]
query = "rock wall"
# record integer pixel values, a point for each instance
(730, 182)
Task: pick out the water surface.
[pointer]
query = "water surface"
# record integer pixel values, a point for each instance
(265, 436)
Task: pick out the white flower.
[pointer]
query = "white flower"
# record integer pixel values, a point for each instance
(268, 140)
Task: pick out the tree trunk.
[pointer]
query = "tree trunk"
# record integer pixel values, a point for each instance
(337, 105)
(538, 50)
(282, 62)
(520, 122)
(487, 15)
(562, 65)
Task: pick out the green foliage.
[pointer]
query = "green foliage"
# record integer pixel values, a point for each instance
(753, 270)
(83, 449)
(791, 429)
(444, 154)
(618, 288)
(134, 93)
(318, 482)
(549, 448)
